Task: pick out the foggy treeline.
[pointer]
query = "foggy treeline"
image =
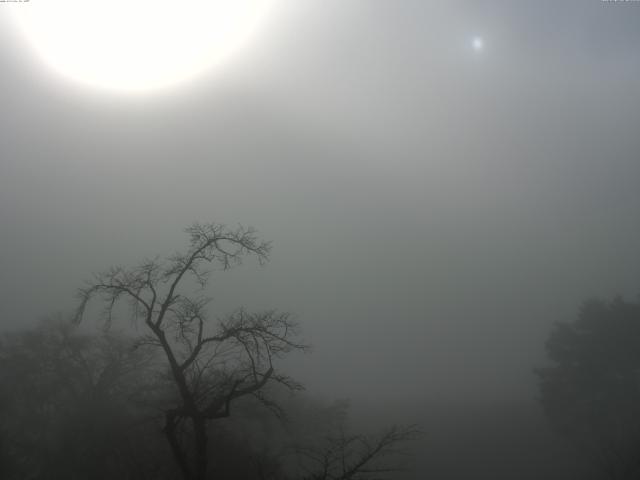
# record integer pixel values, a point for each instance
(105, 405)
(186, 396)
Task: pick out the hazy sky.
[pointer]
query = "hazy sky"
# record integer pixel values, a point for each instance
(433, 209)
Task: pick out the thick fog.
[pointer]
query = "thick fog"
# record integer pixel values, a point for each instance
(433, 209)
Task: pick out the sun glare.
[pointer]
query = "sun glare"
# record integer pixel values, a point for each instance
(137, 45)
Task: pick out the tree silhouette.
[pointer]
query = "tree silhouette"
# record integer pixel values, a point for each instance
(211, 363)
(591, 392)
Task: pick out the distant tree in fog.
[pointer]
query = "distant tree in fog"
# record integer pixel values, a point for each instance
(591, 390)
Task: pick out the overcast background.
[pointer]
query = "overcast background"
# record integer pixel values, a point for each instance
(433, 210)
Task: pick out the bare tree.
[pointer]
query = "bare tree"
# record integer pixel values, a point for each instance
(211, 363)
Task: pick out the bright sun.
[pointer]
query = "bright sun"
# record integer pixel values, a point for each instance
(137, 45)
(477, 43)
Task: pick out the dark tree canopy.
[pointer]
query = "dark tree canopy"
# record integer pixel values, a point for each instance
(80, 406)
(71, 404)
(591, 391)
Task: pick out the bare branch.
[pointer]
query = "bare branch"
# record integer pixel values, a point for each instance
(345, 457)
